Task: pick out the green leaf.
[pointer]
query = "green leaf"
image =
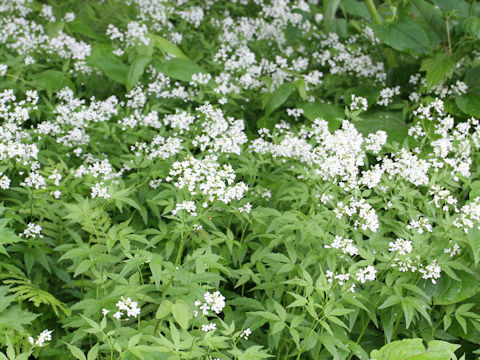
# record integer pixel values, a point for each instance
(278, 97)
(448, 291)
(76, 352)
(180, 69)
(438, 68)
(103, 59)
(474, 240)
(182, 314)
(472, 26)
(168, 47)
(469, 104)
(136, 70)
(390, 122)
(50, 80)
(396, 350)
(93, 352)
(433, 16)
(405, 35)
(164, 309)
(329, 9)
(460, 7)
(472, 79)
(356, 8)
(156, 269)
(331, 113)
(81, 28)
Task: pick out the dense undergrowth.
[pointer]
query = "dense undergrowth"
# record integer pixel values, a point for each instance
(242, 179)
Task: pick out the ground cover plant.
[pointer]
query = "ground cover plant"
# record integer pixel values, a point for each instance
(243, 179)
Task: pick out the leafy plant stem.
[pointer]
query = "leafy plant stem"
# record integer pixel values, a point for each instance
(448, 35)
(372, 10)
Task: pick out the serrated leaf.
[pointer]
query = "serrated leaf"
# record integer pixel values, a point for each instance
(182, 314)
(168, 47)
(93, 352)
(438, 68)
(136, 70)
(405, 35)
(164, 309)
(278, 97)
(76, 352)
(180, 69)
(469, 104)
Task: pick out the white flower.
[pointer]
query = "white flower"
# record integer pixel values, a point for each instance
(117, 315)
(209, 327)
(245, 333)
(105, 312)
(45, 335)
(32, 231)
(129, 306)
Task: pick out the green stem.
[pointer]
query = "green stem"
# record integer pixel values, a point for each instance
(372, 10)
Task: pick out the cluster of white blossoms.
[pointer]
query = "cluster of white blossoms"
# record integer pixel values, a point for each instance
(42, 338)
(32, 231)
(387, 95)
(188, 206)
(135, 34)
(345, 245)
(358, 103)
(127, 305)
(403, 262)
(421, 224)
(207, 177)
(214, 302)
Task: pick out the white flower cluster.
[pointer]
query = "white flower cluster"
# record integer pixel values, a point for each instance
(358, 103)
(45, 335)
(421, 224)
(130, 307)
(366, 274)
(207, 177)
(212, 302)
(32, 231)
(188, 206)
(345, 245)
(387, 95)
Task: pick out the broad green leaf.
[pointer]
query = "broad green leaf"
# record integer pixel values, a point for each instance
(356, 8)
(278, 97)
(472, 79)
(405, 35)
(180, 69)
(402, 349)
(164, 309)
(331, 113)
(460, 7)
(433, 16)
(93, 352)
(76, 352)
(168, 47)
(103, 59)
(469, 104)
(136, 70)
(472, 26)
(388, 121)
(448, 291)
(329, 9)
(474, 240)
(50, 80)
(156, 269)
(81, 28)
(182, 314)
(438, 67)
